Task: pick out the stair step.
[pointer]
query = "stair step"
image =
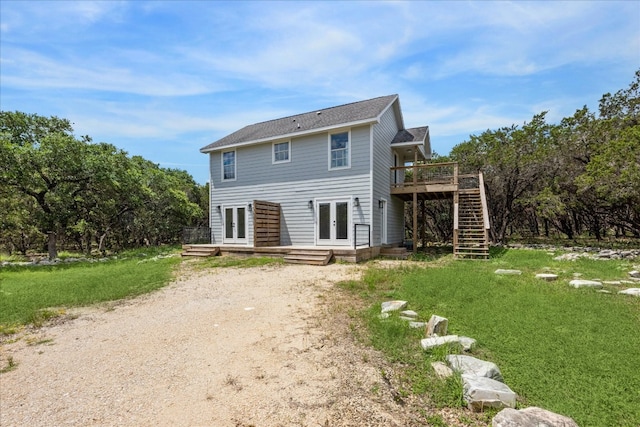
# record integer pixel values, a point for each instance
(200, 251)
(309, 256)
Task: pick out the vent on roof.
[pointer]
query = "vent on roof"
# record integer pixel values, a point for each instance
(318, 113)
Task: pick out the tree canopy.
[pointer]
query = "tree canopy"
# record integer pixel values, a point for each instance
(85, 194)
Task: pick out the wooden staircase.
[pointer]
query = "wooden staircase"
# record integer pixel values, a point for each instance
(471, 239)
(200, 250)
(309, 256)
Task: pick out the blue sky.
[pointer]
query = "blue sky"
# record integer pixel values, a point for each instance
(162, 79)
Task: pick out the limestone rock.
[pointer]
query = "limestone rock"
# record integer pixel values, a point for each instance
(482, 392)
(580, 283)
(409, 313)
(384, 315)
(432, 342)
(469, 365)
(508, 272)
(437, 325)
(531, 417)
(417, 325)
(388, 306)
(467, 343)
(547, 276)
(631, 291)
(441, 369)
(635, 274)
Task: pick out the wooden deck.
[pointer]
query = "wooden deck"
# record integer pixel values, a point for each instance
(342, 253)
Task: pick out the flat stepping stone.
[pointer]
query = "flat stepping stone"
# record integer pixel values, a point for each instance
(547, 276)
(612, 282)
(508, 272)
(581, 283)
(396, 305)
(530, 417)
(432, 342)
(631, 291)
(635, 273)
(469, 365)
(417, 325)
(480, 393)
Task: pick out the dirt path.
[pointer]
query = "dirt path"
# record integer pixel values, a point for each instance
(227, 347)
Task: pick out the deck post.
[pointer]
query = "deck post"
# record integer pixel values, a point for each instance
(415, 199)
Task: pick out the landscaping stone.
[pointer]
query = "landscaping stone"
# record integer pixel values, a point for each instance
(482, 392)
(407, 319)
(581, 283)
(635, 274)
(469, 365)
(441, 369)
(612, 282)
(508, 272)
(547, 276)
(603, 291)
(417, 325)
(409, 313)
(437, 325)
(467, 343)
(631, 291)
(531, 417)
(432, 342)
(388, 306)
(384, 315)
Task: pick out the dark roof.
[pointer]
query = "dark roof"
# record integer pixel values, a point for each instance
(410, 135)
(355, 112)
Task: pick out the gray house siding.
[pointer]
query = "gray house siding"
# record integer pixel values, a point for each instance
(382, 161)
(292, 184)
(297, 219)
(309, 159)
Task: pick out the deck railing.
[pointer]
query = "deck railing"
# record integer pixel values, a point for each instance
(430, 174)
(361, 232)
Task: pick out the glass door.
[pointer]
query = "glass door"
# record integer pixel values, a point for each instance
(332, 220)
(235, 224)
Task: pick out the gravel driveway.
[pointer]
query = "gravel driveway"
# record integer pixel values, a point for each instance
(264, 346)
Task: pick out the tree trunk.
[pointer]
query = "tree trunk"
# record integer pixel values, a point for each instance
(51, 245)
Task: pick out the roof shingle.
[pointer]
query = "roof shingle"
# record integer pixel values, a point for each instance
(361, 111)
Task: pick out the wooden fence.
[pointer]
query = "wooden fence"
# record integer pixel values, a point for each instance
(266, 223)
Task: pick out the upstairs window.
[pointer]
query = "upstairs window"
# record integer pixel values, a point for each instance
(339, 150)
(228, 165)
(281, 152)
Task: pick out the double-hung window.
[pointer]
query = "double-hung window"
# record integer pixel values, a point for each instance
(281, 152)
(228, 165)
(339, 146)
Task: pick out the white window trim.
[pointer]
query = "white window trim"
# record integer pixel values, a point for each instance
(235, 165)
(348, 132)
(273, 153)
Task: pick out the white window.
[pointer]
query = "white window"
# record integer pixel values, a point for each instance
(229, 166)
(339, 156)
(281, 152)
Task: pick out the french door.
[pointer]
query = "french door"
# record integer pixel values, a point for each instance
(332, 222)
(235, 224)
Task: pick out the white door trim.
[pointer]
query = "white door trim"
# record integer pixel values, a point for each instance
(334, 222)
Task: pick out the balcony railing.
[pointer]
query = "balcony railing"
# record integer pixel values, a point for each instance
(443, 177)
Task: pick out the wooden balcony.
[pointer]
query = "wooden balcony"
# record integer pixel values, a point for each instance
(430, 181)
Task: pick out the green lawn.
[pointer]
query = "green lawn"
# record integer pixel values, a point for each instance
(33, 294)
(572, 351)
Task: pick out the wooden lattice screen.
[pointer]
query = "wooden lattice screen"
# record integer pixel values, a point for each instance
(266, 223)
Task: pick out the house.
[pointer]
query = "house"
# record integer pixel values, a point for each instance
(321, 179)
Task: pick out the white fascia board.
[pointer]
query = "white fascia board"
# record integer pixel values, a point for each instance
(294, 134)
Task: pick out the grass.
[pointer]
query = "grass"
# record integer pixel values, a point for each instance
(34, 294)
(234, 261)
(571, 351)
